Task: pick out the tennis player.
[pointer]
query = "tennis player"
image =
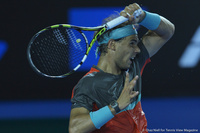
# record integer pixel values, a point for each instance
(108, 98)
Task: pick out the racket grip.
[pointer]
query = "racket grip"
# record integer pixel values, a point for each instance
(122, 19)
(115, 22)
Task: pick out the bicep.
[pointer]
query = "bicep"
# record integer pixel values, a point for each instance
(78, 111)
(154, 40)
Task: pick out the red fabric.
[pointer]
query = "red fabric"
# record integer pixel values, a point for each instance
(131, 121)
(92, 70)
(147, 61)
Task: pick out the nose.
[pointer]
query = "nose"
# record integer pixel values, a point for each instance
(137, 50)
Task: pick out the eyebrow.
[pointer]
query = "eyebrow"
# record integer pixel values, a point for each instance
(134, 40)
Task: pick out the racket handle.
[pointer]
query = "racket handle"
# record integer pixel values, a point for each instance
(122, 19)
(116, 22)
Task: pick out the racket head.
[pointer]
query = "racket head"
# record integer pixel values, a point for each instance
(57, 51)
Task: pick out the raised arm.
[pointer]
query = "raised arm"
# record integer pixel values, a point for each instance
(160, 29)
(155, 39)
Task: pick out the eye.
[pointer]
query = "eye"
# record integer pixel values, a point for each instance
(133, 43)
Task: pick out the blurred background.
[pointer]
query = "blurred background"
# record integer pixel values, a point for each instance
(30, 103)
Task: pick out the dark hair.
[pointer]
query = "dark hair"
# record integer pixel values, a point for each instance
(102, 49)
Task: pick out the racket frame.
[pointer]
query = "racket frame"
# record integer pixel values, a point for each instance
(48, 28)
(101, 29)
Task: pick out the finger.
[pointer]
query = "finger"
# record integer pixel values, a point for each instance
(129, 10)
(134, 5)
(131, 5)
(127, 15)
(135, 79)
(136, 9)
(133, 82)
(134, 94)
(123, 13)
(127, 79)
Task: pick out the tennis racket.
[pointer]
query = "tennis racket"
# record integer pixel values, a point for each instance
(59, 50)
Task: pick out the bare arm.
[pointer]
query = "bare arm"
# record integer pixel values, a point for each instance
(80, 120)
(154, 40)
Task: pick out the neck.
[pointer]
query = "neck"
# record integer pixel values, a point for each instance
(108, 65)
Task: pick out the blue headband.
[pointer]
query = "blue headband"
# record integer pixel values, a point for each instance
(118, 33)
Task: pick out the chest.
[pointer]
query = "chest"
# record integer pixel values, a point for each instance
(107, 90)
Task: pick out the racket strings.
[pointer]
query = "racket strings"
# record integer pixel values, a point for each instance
(57, 51)
(47, 59)
(74, 40)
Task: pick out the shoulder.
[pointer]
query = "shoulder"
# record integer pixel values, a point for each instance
(87, 80)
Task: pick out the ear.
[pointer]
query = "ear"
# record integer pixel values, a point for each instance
(111, 44)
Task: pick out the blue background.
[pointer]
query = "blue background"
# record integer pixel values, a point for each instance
(90, 17)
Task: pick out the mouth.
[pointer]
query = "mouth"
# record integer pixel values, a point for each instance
(132, 58)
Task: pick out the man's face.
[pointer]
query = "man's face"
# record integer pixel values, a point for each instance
(126, 50)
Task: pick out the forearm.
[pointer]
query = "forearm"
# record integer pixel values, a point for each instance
(157, 24)
(81, 120)
(160, 31)
(165, 29)
(81, 123)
